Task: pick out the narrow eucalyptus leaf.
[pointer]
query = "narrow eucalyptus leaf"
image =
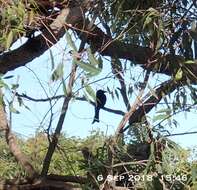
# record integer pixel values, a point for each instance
(159, 117)
(179, 74)
(13, 110)
(90, 92)
(91, 58)
(58, 72)
(70, 41)
(8, 77)
(64, 87)
(9, 39)
(88, 68)
(52, 59)
(152, 91)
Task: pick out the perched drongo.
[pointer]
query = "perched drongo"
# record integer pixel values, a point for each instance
(100, 102)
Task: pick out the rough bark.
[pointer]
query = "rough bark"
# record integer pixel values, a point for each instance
(36, 46)
(73, 17)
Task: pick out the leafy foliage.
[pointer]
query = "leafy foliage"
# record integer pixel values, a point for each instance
(143, 22)
(15, 20)
(124, 159)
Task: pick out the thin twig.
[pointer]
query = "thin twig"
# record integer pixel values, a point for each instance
(135, 105)
(178, 134)
(147, 104)
(119, 112)
(55, 137)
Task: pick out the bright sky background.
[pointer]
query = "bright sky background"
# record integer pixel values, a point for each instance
(80, 114)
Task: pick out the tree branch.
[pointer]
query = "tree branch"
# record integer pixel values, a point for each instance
(35, 47)
(117, 71)
(55, 137)
(143, 56)
(73, 17)
(119, 112)
(146, 105)
(180, 134)
(133, 108)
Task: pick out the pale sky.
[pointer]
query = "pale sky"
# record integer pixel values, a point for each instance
(80, 114)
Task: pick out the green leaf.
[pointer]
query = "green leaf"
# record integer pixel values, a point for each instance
(88, 68)
(14, 86)
(160, 117)
(147, 21)
(1, 100)
(159, 43)
(194, 173)
(90, 92)
(153, 12)
(13, 110)
(3, 84)
(64, 87)
(8, 77)
(152, 149)
(91, 58)
(52, 59)
(189, 62)
(20, 101)
(87, 97)
(152, 91)
(100, 65)
(159, 168)
(179, 74)
(58, 72)
(117, 95)
(9, 39)
(194, 185)
(31, 17)
(21, 9)
(165, 110)
(70, 41)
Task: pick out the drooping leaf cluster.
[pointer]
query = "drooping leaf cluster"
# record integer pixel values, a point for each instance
(167, 26)
(17, 18)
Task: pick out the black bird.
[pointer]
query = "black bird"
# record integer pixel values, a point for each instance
(100, 102)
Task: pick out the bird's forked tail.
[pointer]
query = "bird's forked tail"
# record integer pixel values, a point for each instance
(96, 116)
